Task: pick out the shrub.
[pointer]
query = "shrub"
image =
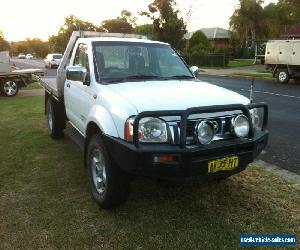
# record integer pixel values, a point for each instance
(198, 42)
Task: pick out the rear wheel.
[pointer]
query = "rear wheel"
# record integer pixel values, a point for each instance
(9, 88)
(55, 120)
(109, 184)
(283, 76)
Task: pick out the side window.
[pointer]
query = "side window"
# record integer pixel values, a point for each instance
(81, 57)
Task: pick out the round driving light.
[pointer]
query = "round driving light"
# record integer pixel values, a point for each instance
(205, 132)
(241, 126)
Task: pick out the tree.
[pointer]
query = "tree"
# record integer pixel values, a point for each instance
(4, 45)
(198, 42)
(35, 46)
(127, 15)
(247, 21)
(292, 9)
(168, 26)
(122, 24)
(276, 16)
(58, 43)
(116, 26)
(145, 30)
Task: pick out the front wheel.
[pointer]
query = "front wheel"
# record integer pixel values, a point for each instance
(9, 88)
(109, 184)
(283, 76)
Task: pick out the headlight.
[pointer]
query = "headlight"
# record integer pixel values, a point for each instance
(205, 132)
(241, 126)
(255, 117)
(151, 130)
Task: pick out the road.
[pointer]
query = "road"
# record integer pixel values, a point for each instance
(284, 116)
(25, 64)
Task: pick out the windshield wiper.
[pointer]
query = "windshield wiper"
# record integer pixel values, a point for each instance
(181, 77)
(148, 77)
(133, 77)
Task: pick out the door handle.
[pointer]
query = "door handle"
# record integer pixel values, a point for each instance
(68, 85)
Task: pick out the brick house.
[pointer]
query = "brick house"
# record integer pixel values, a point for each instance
(292, 32)
(218, 37)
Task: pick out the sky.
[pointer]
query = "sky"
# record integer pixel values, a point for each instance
(20, 19)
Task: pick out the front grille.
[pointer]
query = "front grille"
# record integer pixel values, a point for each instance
(223, 129)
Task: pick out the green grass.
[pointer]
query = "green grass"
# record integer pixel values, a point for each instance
(240, 63)
(254, 74)
(233, 64)
(45, 200)
(31, 86)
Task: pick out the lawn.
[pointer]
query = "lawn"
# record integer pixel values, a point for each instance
(240, 63)
(45, 200)
(254, 74)
(31, 86)
(236, 63)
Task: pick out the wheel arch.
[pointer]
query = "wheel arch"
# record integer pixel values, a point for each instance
(91, 129)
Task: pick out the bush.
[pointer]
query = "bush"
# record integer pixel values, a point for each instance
(198, 42)
(243, 53)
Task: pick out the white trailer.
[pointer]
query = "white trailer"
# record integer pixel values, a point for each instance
(12, 80)
(283, 59)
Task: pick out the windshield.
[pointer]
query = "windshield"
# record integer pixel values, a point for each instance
(119, 61)
(57, 56)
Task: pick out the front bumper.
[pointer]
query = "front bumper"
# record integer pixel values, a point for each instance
(137, 158)
(189, 162)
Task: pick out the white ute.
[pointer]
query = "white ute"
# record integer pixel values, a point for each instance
(139, 111)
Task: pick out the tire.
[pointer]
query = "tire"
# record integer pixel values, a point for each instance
(109, 184)
(283, 76)
(55, 120)
(9, 88)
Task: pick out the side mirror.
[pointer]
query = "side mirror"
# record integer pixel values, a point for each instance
(195, 70)
(78, 73)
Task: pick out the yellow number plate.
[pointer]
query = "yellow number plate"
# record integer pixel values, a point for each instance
(228, 163)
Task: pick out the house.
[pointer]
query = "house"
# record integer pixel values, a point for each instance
(218, 37)
(292, 32)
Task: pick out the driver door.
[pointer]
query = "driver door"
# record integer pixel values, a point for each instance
(76, 93)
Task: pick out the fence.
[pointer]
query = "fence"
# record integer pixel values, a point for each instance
(207, 60)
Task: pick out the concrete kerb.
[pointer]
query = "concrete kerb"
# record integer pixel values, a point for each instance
(285, 174)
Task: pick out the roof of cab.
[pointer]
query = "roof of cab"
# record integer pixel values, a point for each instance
(118, 39)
